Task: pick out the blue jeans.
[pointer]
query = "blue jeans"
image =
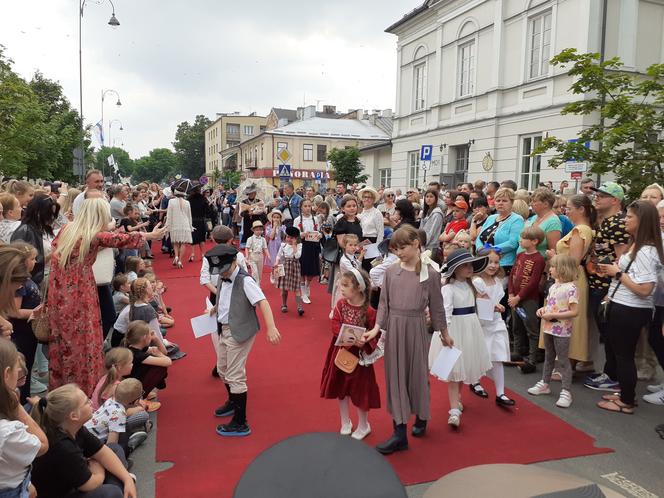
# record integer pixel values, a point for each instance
(19, 492)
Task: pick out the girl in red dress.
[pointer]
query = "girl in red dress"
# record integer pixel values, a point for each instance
(76, 344)
(359, 386)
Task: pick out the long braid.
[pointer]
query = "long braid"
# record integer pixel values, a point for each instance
(136, 293)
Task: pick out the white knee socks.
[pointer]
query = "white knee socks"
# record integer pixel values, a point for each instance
(363, 417)
(498, 375)
(343, 411)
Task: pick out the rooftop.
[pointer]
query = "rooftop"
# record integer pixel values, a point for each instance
(333, 128)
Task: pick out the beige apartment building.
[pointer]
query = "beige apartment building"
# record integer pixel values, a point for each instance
(308, 142)
(225, 134)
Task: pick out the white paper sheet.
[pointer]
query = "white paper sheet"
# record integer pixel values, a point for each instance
(208, 303)
(204, 325)
(445, 362)
(371, 251)
(485, 309)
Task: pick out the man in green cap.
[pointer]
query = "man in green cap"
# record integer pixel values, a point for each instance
(610, 242)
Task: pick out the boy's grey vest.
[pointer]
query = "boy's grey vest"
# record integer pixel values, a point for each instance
(242, 317)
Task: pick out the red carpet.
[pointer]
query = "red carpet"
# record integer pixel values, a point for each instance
(283, 401)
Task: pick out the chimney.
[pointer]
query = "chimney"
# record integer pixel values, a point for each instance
(300, 113)
(359, 114)
(309, 112)
(372, 118)
(329, 109)
(387, 113)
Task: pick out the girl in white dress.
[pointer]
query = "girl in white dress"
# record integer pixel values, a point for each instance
(489, 286)
(463, 326)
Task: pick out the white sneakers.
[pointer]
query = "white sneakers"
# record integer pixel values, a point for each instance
(655, 388)
(305, 291)
(539, 388)
(656, 398)
(565, 399)
(346, 429)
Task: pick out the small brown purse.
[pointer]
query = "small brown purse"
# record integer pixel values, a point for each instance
(346, 361)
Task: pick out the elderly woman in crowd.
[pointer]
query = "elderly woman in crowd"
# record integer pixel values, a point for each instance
(75, 352)
(502, 230)
(542, 203)
(371, 220)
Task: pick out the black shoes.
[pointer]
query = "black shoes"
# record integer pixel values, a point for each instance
(478, 390)
(528, 368)
(300, 311)
(419, 428)
(398, 441)
(226, 410)
(237, 427)
(503, 400)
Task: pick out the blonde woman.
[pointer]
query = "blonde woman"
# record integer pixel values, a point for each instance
(75, 352)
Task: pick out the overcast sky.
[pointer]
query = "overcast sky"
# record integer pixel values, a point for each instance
(172, 59)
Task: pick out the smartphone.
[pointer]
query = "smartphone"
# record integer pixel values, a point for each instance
(604, 260)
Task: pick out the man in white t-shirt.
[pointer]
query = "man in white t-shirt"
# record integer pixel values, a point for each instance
(94, 180)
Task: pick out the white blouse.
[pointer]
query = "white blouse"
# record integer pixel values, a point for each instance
(372, 224)
(308, 224)
(287, 251)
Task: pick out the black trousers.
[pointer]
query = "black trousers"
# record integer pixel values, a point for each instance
(106, 307)
(623, 331)
(26, 343)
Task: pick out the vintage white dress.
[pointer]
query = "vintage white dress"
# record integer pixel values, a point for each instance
(467, 334)
(495, 331)
(178, 220)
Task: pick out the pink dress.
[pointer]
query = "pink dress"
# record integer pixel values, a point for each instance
(75, 351)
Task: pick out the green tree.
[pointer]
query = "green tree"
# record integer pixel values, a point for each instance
(347, 166)
(190, 146)
(628, 114)
(157, 166)
(122, 159)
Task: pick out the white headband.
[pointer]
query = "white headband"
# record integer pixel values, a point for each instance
(358, 276)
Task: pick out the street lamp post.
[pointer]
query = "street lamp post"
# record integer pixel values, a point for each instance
(113, 21)
(110, 125)
(118, 103)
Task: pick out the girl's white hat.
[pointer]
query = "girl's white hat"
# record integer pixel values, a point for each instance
(273, 212)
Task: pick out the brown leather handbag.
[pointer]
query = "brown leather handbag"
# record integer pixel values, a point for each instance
(346, 361)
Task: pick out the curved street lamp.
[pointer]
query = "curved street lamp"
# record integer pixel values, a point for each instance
(118, 103)
(113, 21)
(110, 128)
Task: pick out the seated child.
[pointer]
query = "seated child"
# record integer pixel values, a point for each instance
(120, 292)
(109, 422)
(134, 268)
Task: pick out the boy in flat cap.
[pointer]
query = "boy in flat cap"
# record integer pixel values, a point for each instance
(238, 296)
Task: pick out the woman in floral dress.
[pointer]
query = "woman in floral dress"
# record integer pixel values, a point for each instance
(76, 343)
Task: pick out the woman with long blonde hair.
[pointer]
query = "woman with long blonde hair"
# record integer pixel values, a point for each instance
(76, 352)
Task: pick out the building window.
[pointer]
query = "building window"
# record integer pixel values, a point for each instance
(248, 130)
(385, 177)
(539, 45)
(530, 166)
(308, 152)
(321, 153)
(420, 85)
(467, 69)
(414, 169)
(232, 129)
(461, 164)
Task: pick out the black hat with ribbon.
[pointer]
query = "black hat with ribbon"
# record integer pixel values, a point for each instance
(221, 258)
(459, 257)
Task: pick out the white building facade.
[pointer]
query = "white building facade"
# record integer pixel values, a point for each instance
(474, 81)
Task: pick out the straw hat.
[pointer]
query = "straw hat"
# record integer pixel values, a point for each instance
(272, 213)
(369, 190)
(257, 224)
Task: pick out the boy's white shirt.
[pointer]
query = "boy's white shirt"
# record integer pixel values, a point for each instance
(206, 278)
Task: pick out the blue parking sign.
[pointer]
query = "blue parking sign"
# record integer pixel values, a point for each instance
(426, 152)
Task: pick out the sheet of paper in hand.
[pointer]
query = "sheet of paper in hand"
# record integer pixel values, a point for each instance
(349, 334)
(312, 236)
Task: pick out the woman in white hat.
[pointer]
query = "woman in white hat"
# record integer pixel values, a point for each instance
(371, 221)
(275, 232)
